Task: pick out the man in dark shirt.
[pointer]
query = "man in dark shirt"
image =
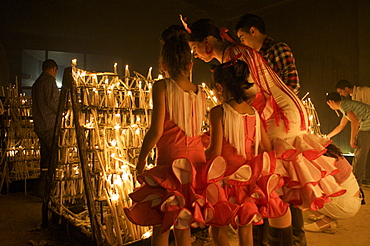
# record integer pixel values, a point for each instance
(45, 99)
(251, 32)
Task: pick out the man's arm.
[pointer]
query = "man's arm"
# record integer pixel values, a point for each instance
(354, 128)
(343, 122)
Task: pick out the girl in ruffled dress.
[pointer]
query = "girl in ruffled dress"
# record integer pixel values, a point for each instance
(236, 133)
(166, 197)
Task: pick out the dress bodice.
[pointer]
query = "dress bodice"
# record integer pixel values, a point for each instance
(185, 112)
(241, 139)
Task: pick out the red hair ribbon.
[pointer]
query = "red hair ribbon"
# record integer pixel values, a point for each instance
(224, 35)
(183, 20)
(233, 61)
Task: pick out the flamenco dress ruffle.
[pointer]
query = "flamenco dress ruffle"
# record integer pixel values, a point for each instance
(217, 211)
(308, 174)
(245, 195)
(167, 198)
(252, 187)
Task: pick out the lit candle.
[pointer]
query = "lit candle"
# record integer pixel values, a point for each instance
(149, 77)
(115, 68)
(74, 62)
(127, 72)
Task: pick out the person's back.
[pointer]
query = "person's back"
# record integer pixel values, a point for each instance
(182, 125)
(289, 114)
(45, 98)
(361, 110)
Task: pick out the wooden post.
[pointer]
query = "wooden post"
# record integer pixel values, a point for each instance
(83, 154)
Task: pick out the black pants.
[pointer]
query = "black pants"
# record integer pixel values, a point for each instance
(45, 140)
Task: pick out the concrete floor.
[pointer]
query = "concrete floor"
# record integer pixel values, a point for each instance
(20, 217)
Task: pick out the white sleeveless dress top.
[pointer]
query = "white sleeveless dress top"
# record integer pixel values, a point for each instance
(234, 131)
(186, 109)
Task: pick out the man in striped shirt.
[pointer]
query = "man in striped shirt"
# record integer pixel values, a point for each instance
(359, 115)
(252, 32)
(360, 94)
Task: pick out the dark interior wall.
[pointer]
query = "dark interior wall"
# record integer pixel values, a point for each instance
(329, 40)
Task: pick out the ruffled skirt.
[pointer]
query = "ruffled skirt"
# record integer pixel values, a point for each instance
(246, 195)
(170, 196)
(308, 175)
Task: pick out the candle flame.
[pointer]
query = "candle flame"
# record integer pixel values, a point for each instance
(114, 197)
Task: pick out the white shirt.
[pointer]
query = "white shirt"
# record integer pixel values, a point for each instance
(361, 94)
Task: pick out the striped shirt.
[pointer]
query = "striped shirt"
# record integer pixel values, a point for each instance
(361, 110)
(45, 98)
(281, 60)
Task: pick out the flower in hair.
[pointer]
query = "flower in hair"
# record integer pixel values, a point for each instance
(183, 20)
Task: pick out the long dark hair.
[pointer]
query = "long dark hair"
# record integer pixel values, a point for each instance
(333, 151)
(203, 28)
(175, 52)
(233, 76)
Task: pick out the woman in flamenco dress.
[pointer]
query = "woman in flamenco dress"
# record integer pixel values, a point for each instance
(167, 197)
(308, 175)
(237, 135)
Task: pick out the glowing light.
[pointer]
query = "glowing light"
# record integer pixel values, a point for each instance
(115, 68)
(117, 182)
(147, 234)
(125, 176)
(114, 197)
(113, 143)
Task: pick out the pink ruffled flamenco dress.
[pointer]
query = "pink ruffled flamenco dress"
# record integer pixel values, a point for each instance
(249, 181)
(167, 195)
(308, 175)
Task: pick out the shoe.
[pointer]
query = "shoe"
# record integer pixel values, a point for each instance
(315, 228)
(362, 195)
(315, 218)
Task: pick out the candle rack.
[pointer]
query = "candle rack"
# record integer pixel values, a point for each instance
(20, 151)
(101, 123)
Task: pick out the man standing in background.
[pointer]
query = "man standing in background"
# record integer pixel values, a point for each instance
(45, 99)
